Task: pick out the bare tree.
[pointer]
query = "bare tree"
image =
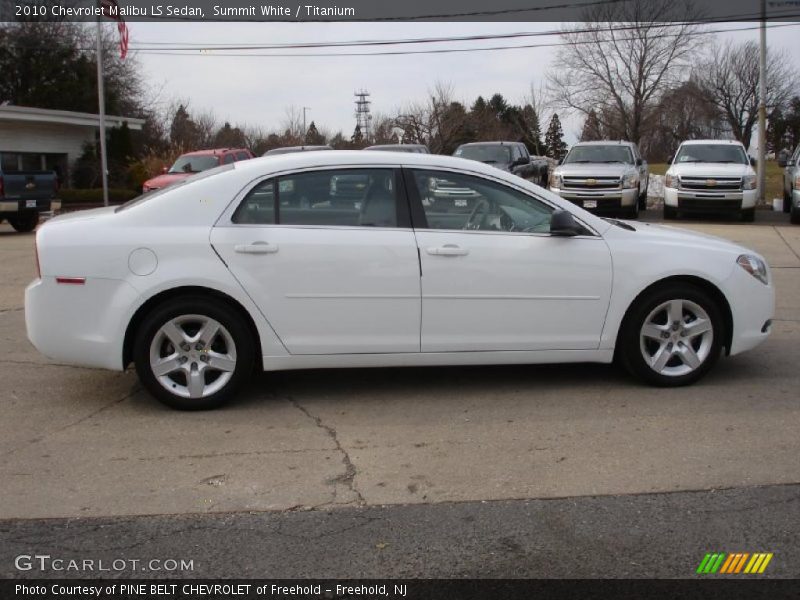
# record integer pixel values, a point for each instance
(621, 60)
(729, 78)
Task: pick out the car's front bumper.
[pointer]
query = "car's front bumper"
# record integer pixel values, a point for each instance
(687, 200)
(80, 325)
(752, 308)
(600, 200)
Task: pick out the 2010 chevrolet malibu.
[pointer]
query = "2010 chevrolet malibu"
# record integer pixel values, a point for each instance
(352, 259)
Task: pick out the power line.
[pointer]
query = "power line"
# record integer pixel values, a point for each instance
(441, 50)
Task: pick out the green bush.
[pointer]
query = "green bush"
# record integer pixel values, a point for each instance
(95, 196)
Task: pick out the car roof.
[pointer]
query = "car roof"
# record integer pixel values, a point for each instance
(213, 151)
(395, 146)
(290, 149)
(604, 143)
(488, 144)
(361, 158)
(727, 142)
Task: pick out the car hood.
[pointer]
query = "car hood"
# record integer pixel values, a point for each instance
(594, 169)
(706, 169)
(666, 234)
(166, 179)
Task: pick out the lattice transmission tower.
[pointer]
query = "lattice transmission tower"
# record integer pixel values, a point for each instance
(362, 114)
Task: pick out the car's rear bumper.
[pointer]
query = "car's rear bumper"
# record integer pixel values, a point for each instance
(690, 201)
(80, 325)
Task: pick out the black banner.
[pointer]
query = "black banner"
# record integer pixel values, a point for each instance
(411, 589)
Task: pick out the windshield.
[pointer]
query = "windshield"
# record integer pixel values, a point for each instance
(712, 153)
(158, 193)
(611, 153)
(487, 154)
(194, 164)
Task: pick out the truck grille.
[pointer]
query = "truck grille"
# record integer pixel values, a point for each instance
(711, 184)
(592, 183)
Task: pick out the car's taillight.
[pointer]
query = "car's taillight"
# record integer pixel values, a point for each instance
(36, 254)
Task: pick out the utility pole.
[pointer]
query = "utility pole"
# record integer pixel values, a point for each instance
(363, 116)
(101, 100)
(762, 107)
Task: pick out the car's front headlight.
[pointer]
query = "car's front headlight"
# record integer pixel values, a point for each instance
(755, 266)
(749, 182)
(671, 181)
(556, 181)
(630, 181)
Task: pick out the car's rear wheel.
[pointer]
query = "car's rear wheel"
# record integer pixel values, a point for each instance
(748, 215)
(672, 335)
(24, 222)
(193, 353)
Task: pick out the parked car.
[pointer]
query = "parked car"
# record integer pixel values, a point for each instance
(603, 177)
(195, 162)
(293, 149)
(791, 185)
(508, 156)
(709, 176)
(24, 195)
(195, 293)
(418, 148)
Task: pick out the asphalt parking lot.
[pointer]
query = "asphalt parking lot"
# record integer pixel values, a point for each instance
(81, 443)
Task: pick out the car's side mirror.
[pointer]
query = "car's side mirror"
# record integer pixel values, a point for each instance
(782, 162)
(520, 161)
(562, 223)
(561, 161)
(638, 162)
(752, 162)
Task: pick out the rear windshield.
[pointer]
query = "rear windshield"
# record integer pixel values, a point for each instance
(712, 153)
(488, 154)
(612, 153)
(158, 193)
(194, 164)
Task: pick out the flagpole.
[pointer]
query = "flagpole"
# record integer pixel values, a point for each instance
(101, 100)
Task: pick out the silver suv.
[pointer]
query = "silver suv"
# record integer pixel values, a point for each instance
(603, 177)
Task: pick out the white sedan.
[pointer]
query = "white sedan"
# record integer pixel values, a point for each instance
(352, 259)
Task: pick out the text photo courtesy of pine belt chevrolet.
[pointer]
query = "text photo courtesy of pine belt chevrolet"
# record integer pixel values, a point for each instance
(609, 178)
(710, 176)
(195, 162)
(259, 264)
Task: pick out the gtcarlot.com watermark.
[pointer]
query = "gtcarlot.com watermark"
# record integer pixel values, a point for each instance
(59, 564)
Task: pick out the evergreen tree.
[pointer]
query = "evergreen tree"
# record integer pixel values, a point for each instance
(533, 130)
(357, 140)
(183, 132)
(314, 137)
(554, 139)
(592, 130)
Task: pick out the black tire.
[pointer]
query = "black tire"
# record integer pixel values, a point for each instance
(794, 217)
(643, 200)
(632, 212)
(748, 215)
(787, 202)
(221, 312)
(629, 350)
(24, 222)
(670, 213)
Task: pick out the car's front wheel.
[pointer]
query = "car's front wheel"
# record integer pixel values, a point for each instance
(193, 353)
(672, 335)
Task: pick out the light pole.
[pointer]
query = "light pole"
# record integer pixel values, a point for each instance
(762, 107)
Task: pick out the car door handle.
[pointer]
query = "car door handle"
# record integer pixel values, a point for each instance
(256, 248)
(448, 250)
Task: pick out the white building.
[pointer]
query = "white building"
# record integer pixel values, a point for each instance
(43, 139)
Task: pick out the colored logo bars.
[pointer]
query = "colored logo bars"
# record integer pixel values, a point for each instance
(734, 563)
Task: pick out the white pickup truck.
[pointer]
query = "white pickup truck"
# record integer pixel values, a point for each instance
(710, 176)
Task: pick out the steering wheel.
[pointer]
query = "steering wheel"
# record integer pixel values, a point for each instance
(483, 203)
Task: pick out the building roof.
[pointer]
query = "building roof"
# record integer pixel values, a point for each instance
(63, 117)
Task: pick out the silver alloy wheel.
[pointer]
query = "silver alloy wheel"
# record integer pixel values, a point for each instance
(193, 356)
(676, 337)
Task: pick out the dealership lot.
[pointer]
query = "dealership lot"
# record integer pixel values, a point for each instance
(78, 442)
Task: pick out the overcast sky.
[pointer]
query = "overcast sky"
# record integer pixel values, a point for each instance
(257, 90)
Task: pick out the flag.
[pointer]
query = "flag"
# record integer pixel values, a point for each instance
(111, 10)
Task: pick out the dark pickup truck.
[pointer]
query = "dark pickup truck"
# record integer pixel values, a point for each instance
(508, 156)
(24, 195)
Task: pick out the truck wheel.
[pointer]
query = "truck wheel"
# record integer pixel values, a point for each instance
(795, 216)
(787, 202)
(643, 200)
(670, 213)
(24, 222)
(748, 215)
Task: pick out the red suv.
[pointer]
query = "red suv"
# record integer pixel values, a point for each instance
(194, 162)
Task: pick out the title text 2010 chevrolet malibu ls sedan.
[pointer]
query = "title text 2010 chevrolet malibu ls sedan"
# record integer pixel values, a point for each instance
(275, 262)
